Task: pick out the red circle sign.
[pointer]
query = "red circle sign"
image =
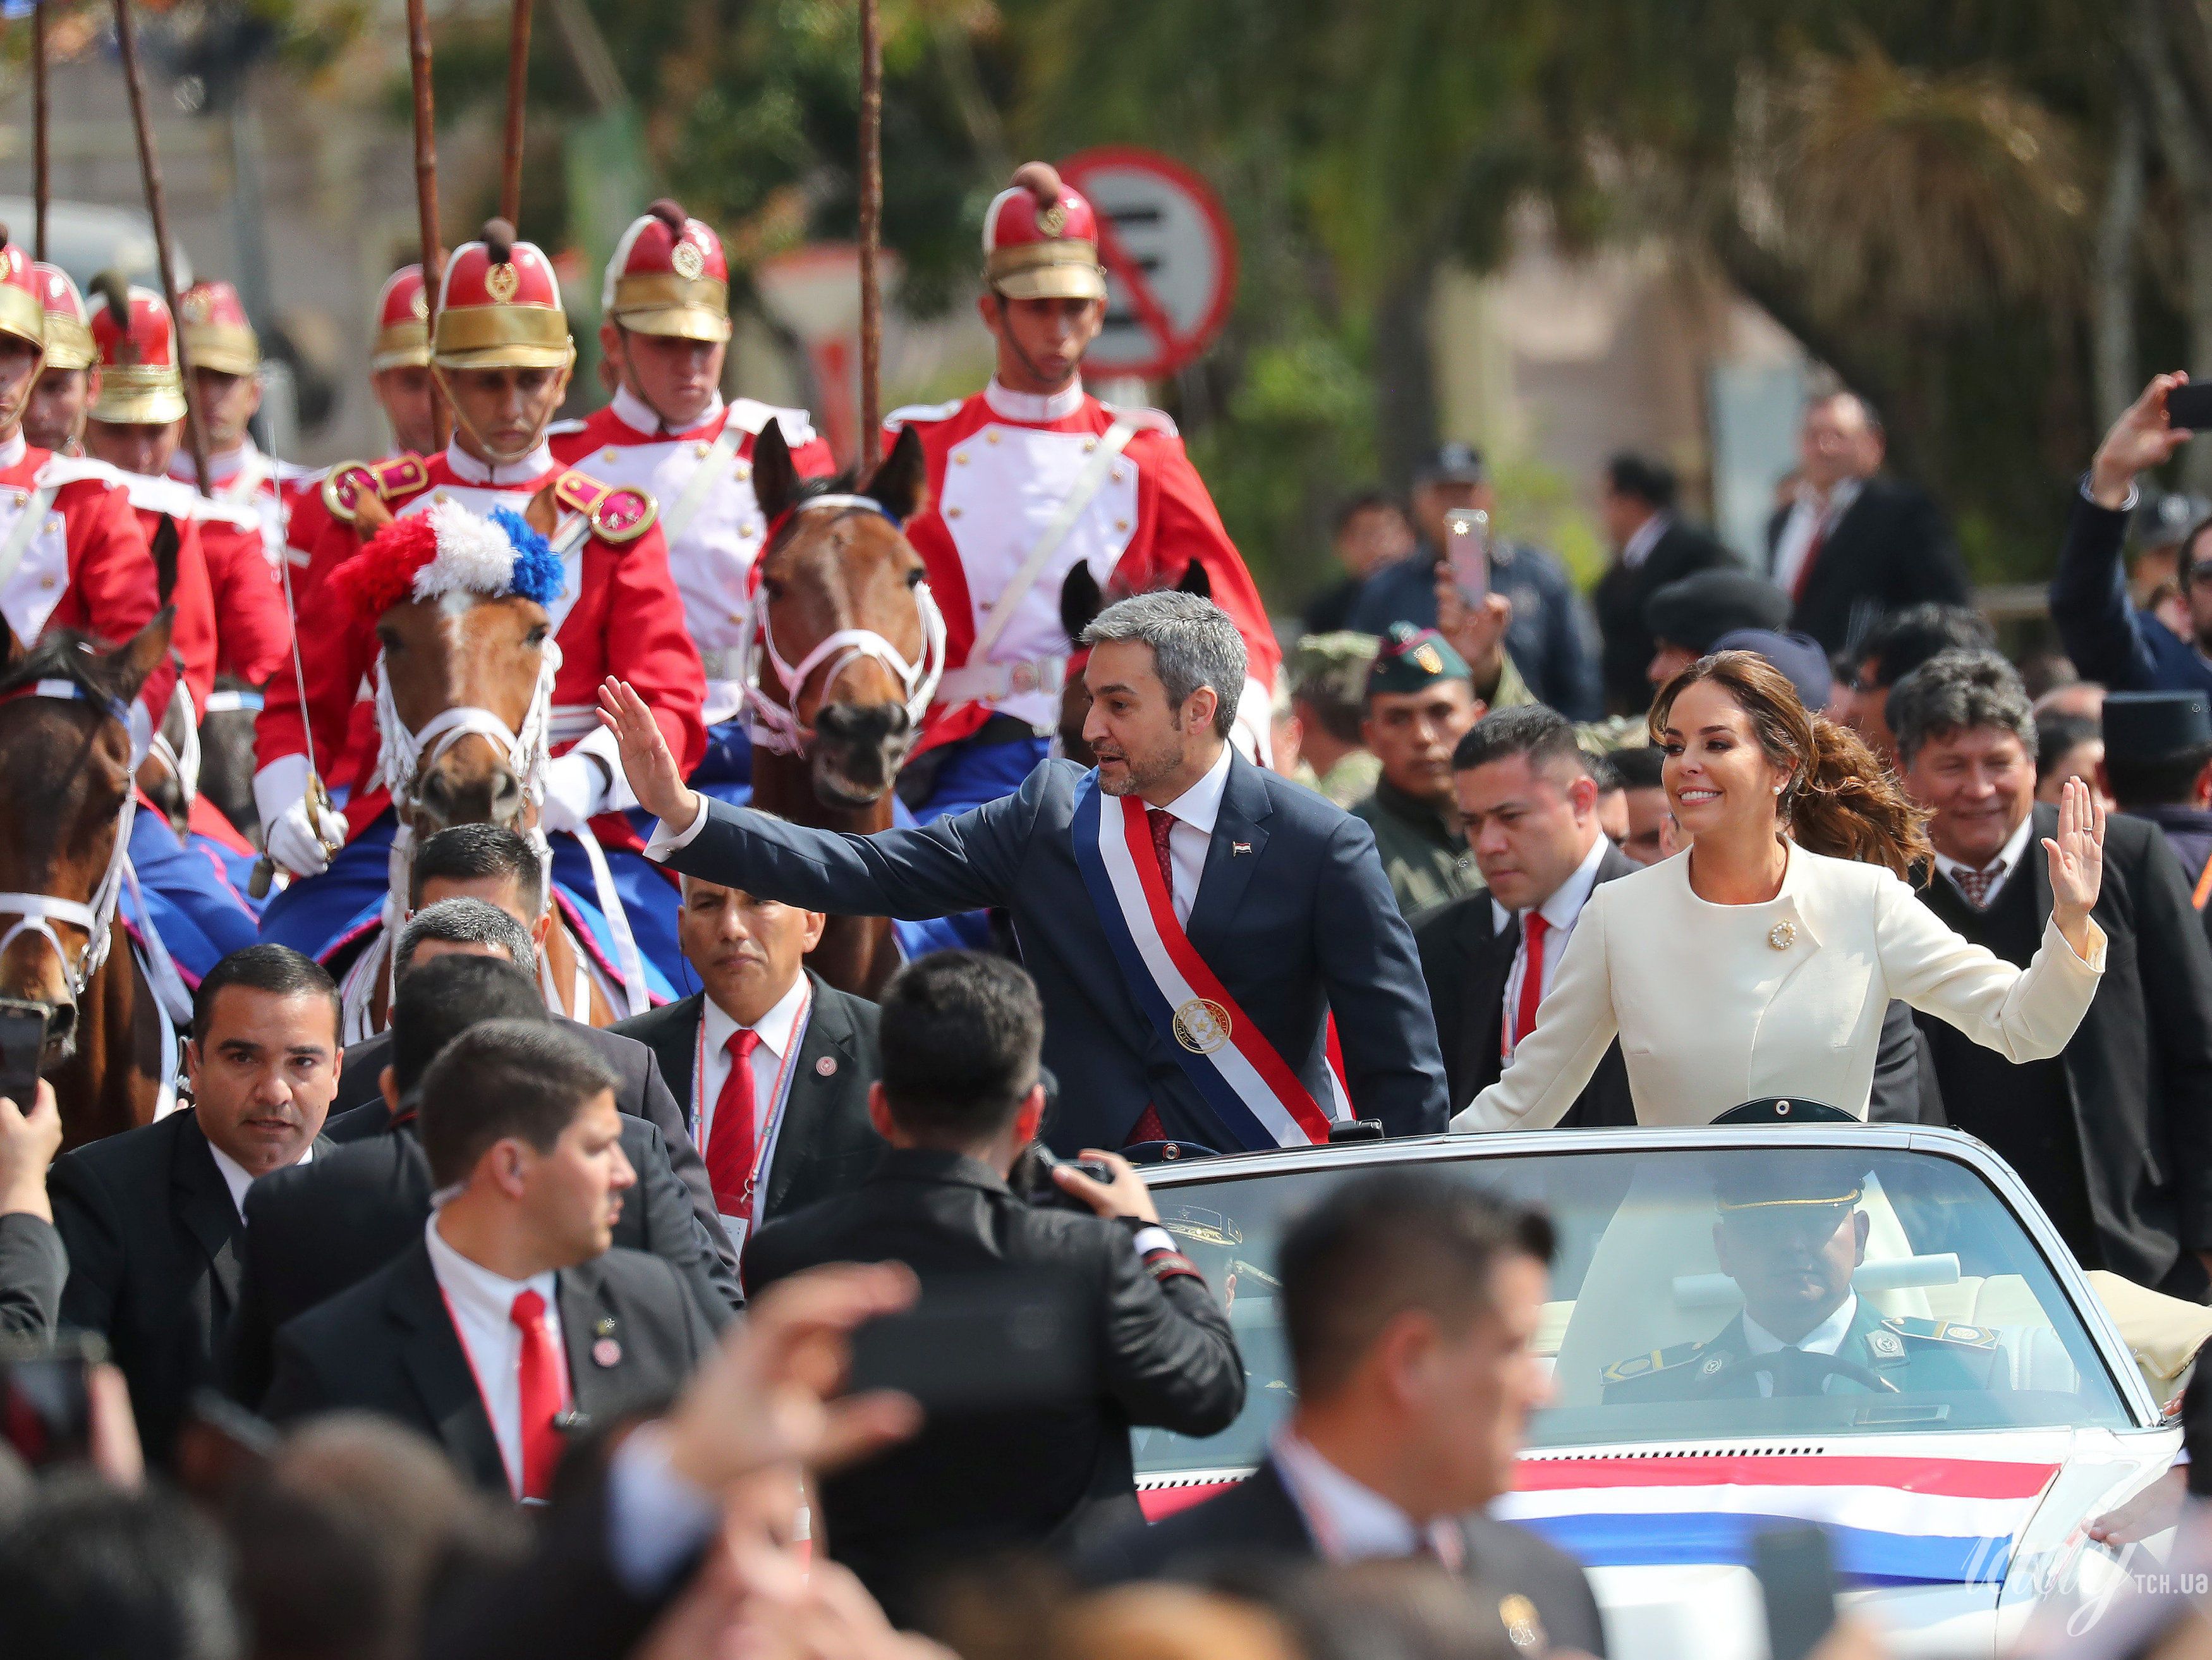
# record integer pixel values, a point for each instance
(1170, 255)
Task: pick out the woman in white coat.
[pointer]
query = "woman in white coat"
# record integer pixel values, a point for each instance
(1758, 964)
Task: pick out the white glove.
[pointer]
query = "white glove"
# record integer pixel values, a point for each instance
(290, 824)
(575, 788)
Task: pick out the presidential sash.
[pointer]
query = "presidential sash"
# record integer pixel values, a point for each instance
(1250, 1087)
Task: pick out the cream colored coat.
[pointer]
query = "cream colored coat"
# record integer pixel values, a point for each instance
(1718, 1005)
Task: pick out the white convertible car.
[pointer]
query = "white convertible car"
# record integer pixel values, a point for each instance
(1956, 1495)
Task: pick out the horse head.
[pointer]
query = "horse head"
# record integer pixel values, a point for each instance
(65, 745)
(465, 662)
(1081, 600)
(843, 616)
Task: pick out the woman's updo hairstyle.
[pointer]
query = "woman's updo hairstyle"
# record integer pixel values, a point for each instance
(1840, 801)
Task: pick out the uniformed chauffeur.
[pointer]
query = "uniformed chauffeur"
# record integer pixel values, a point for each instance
(1791, 1233)
(1420, 702)
(55, 418)
(666, 306)
(226, 359)
(502, 356)
(1004, 467)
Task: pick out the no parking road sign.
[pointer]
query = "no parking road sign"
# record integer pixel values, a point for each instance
(1170, 260)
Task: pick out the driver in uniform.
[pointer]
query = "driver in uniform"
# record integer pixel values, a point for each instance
(1790, 1234)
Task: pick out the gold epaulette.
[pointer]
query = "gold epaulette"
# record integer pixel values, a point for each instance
(346, 485)
(618, 513)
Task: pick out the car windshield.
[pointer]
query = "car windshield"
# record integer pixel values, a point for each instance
(1680, 1272)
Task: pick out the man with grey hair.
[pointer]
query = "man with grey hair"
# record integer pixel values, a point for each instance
(452, 926)
(1192, 921)
(2138, 1073)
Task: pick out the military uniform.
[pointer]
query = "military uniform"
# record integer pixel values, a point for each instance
(1424, 851)
(669, 277)
(1004, 469)
(1909, 1355)
(617, 613)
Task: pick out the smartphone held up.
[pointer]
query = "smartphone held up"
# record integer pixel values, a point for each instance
(1466, 552)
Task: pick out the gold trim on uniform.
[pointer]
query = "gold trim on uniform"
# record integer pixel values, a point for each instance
(224, 347)
(688, 261)
(694, 307)
(503, 283)
(1068, 269)
(69, 343)
(502, 336)
(23, 314)
(138, 394)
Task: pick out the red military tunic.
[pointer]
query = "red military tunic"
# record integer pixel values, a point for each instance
(618, 614)
(271, 490)
(85, 565)
(711, 552)
(1000, 466)
(260, 626)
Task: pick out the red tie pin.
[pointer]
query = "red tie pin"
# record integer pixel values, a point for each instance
(826, 1066)
(606, 1353)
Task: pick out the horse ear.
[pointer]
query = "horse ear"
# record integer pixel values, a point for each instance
(541, 513)
(1080, 602)
(776, 480)
(12, 650)
(163, 547)
(901, 484)
(1195, 581)
(145, 652)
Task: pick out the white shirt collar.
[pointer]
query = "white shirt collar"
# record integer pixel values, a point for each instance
(1035, 407)
(14, 449)
(1200, 805)
(775, 1027)
(2009, 856)
(1354, 1523)
(1830, 509)
(1637, 548)
(221, 469)
(1824, 1339)
(1568, 899)
(639, 416)
(473, 1288)
(238, 1178)
(470, 470)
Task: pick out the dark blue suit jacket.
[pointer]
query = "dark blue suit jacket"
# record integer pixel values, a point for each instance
(1301, 924)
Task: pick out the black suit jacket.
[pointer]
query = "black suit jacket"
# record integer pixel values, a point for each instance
(1890, 550)
(1257, 1518)
(1465, 959)
(1293, 914)
(639, 1091)
(2140, 1067)
(826, 1145)
(33, 1267)
(968, 1483)
(152, 1239)
(1618, 600)
(316, 1229)
(388, 1346)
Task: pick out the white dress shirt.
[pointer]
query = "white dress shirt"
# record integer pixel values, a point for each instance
(639, 416)
(1192, 836)
(482, 1304)
(1635, 551)
(238, 1178)
(1809, 515)
(527, 470)
(1036, 407)
(1560, 911)
(1824, 1339)
(2006, 862)
(1348, 1520)
(781, 1029)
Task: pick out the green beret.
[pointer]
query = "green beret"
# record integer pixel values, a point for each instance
(1413, 659)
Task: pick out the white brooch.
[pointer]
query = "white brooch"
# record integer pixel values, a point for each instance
(1782, 935)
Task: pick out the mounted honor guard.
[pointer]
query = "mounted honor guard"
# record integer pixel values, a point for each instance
(226, 355)
(1032, 479)
(399, 361)
(55, 417)
(501, 355)
(667, 307)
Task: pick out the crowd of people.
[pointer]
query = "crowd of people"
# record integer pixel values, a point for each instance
(570, 1234)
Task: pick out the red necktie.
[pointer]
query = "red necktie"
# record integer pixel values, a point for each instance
(733, 1140)
(539, 1376)
(1812, 552)
(1533, 927)
(1161, 823)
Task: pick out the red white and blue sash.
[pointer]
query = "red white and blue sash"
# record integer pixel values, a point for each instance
(1250, 1087)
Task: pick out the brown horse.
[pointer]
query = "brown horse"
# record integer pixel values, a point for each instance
(64, 745)
(850, 644)
(471, 652)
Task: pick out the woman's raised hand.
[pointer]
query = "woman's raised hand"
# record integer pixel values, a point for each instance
(2077, 862)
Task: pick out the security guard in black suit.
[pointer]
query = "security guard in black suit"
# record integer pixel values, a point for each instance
(1792, 1235)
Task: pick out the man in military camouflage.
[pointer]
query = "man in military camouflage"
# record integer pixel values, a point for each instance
(1327, 675)
(1420, 702)
(1790, 1234)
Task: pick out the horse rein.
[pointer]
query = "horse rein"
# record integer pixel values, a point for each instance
(776, 726)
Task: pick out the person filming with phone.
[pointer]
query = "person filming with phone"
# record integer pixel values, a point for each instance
(2110, 640)
(959, 1102)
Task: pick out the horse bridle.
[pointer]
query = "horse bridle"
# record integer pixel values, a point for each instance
(37, 913)
(776, 726)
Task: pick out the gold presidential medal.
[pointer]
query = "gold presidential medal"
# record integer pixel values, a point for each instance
(503, 283)
(687, 260)
(1202, 1025)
